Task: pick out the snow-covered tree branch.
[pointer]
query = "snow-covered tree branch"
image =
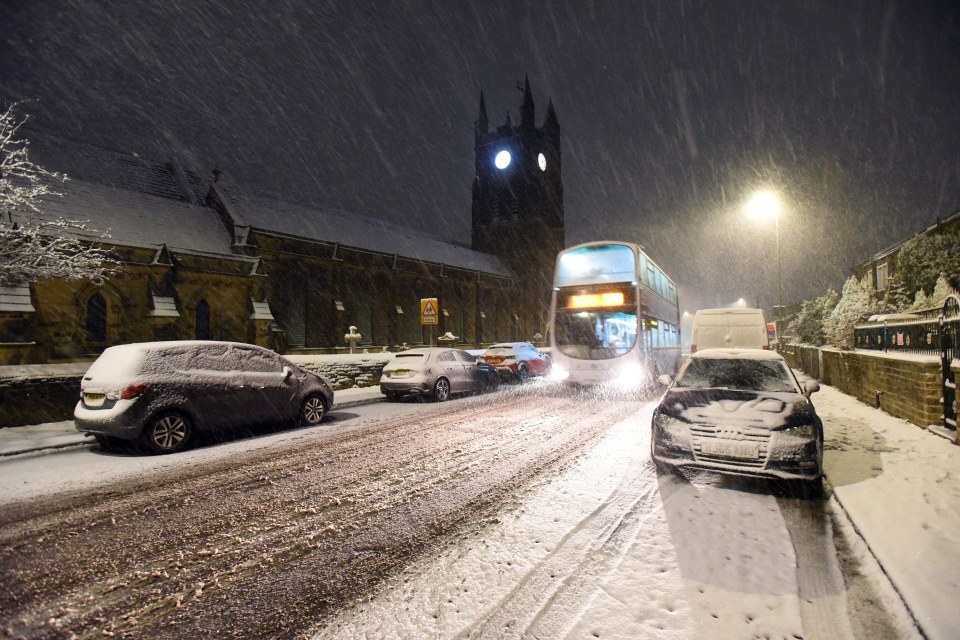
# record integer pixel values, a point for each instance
(31, 247)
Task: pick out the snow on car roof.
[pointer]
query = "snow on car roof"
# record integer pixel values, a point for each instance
(738, 354)
(121, 363)
(423, 351)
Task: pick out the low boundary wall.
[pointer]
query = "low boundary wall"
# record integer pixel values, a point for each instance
(906, 386)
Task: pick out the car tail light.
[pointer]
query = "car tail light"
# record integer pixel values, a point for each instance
(766, 347)
(133, 391)
(693, 348)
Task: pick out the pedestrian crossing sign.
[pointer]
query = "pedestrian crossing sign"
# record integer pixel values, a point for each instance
(428, 311)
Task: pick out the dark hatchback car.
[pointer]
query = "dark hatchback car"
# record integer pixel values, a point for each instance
(160, 393)
(742, 412)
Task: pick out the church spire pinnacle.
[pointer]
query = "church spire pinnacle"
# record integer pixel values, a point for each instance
(526, 107)
(482, 124)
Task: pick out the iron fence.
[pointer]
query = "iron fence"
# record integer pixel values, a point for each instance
(927, 335)
(934, 332)
(920, 337)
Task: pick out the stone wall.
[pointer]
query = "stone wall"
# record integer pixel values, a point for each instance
(38, 401)
(347, 372)
(906, 386)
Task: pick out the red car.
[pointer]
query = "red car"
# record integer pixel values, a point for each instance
(517, 360)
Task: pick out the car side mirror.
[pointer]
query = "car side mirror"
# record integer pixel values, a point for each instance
(665, 380)
(810, 386)
(287, 372)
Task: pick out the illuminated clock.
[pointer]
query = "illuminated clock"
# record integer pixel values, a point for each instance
(542, 161)
(502, 160)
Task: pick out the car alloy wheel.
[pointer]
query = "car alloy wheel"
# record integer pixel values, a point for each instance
(312, 410)
(522, 373)
(167, 433)
(441, 390)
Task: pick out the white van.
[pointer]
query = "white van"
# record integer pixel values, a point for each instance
(729, 329)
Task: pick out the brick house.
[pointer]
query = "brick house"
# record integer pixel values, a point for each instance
(882, 266)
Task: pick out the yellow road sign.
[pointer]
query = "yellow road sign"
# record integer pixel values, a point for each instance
(429, 311)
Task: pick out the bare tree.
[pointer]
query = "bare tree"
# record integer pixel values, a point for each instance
(32, 247)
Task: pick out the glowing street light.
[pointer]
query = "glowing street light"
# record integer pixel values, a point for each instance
(764, 205)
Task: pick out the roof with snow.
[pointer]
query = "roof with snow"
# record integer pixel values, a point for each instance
(355, 230)
(139, 218)
(147, 202)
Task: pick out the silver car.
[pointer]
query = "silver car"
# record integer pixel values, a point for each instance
(435, 372)
(160, 393)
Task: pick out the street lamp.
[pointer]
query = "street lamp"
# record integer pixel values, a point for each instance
(763, 205)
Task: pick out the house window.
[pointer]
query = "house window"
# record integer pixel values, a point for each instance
(882, 277)
(96, 318)
(203, 320)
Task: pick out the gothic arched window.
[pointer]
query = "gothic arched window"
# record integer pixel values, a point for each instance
(96, 318)
(203, 320)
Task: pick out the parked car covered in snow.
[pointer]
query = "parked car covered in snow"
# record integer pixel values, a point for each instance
(517, 360)
(739, 411)
(160, 393)
(435, 372)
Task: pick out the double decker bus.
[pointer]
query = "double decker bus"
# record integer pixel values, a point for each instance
(614, 316)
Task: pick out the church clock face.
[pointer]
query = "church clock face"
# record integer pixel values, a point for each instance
(502, 160)
(542, 162)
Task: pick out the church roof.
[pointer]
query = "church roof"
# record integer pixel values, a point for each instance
(354, 230)
(146, 202)
(139, 218)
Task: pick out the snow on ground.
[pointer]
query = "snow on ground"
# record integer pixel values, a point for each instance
(609, 550)
(690, 560)
(667, 558)
(901, 487)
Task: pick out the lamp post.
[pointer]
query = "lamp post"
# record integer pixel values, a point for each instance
(764, 204)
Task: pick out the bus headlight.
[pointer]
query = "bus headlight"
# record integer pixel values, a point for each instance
(631, 375)
(558, 373)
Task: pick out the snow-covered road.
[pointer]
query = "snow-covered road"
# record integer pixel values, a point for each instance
(527, 513)
(608, 549)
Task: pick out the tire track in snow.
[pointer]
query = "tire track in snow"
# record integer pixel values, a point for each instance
(549, 596)
(271, 541)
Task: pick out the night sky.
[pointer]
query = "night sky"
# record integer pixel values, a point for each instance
(672, 113)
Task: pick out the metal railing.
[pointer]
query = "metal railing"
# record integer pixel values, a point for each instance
(927, 335)
(919, 336)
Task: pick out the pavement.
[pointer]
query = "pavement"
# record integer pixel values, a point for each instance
(897, 484)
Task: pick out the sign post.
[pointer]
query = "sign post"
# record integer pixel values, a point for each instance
(429, 314)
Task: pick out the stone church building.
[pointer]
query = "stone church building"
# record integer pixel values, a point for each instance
(205, 257)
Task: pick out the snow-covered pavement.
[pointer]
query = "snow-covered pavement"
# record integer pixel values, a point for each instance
(893, 484)
(900, 486)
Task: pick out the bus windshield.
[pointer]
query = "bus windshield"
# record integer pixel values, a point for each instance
(596, 323)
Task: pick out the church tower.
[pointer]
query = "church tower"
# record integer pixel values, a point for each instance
(518, 204)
